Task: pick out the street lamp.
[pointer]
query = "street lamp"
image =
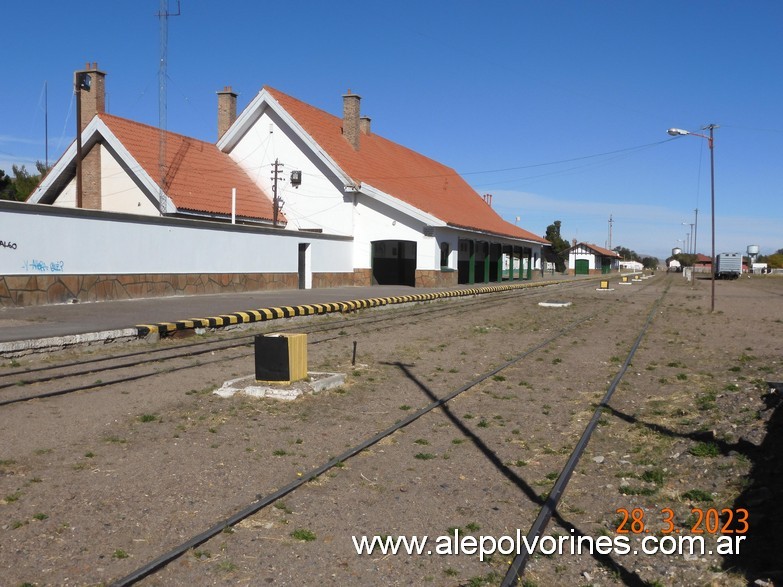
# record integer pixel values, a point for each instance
(691, 246)
(676, 132)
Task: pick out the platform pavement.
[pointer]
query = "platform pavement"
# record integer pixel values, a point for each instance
(58, 325)
(93, 321)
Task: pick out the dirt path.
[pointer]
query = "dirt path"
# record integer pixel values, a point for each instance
(96, 485)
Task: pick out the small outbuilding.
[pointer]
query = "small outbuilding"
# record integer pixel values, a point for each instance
(589, 259)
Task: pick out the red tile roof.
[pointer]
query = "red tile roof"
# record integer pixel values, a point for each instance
(200, 176)
(604, 252)
(600, 250)
(402, 173)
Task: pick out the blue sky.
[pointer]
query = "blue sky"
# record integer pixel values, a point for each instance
(557, 108)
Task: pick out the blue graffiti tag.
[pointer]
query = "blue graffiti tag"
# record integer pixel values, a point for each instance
(44, 267)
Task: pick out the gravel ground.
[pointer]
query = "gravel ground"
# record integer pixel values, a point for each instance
(96, 484)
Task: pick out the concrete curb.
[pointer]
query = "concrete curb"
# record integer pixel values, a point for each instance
(152, 332)
(22, 347)
(266, 314)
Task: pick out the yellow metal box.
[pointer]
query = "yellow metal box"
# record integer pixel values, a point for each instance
(281, 357)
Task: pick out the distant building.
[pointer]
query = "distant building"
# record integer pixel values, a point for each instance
(589, 259)
(634, 266)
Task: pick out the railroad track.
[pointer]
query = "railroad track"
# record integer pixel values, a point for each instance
(442, 402)
(168, 358)
(547, 331)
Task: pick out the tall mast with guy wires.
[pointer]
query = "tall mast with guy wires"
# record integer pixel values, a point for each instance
(163, 16)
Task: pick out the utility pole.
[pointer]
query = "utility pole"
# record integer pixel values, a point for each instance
(276, 171)
(610, 231)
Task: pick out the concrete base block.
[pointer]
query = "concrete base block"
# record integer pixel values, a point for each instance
(249, 385)
(554, 304)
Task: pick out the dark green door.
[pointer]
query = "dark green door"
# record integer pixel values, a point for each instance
(582, 267)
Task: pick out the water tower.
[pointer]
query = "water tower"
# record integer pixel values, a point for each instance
(676, 251)
(753, 252)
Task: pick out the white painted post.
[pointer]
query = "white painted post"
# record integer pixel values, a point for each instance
(233, 205)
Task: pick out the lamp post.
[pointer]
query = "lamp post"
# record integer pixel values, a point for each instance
(675, 132)
(691, 246)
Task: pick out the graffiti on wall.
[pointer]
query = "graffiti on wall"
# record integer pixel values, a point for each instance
(6, 245)
(43, 267)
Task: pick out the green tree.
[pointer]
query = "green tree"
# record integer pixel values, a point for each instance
(23, 183)
(650, 262)
(6, 186)
(686, 260)
(627, 254)
(559, 244)
(775, 261)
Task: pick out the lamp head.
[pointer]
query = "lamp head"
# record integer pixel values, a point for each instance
(677, 132)
(83, 80)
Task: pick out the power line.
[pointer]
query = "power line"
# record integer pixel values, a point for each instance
(531, 166)
(625, 150)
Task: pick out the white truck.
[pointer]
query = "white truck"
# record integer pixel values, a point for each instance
(728, 266)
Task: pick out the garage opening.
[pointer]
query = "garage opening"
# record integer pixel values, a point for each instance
(394, 263)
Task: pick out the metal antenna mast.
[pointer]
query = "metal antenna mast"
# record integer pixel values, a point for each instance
(163, 16)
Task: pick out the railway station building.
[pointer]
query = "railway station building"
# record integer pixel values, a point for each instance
(289, 196)
(589, 259)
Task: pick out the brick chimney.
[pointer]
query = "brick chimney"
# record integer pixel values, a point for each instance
(364, 124)
(94, 99)
(351, 118)
(90, 83)
(227, 109)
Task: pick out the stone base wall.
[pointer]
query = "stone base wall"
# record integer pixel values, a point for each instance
(36, 290)
(359, 278)
(436, 278)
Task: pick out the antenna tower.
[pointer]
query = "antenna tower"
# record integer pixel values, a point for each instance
(163, 17)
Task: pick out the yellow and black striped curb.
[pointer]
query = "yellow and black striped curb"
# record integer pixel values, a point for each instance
(266, 314)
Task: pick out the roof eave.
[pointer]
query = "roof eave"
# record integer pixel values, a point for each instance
(222, 216)
(475, 230)
(96, 128)
(397, 204)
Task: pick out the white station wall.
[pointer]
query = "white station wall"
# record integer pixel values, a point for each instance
(118, 191)
(317, 203)
(38, 239)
